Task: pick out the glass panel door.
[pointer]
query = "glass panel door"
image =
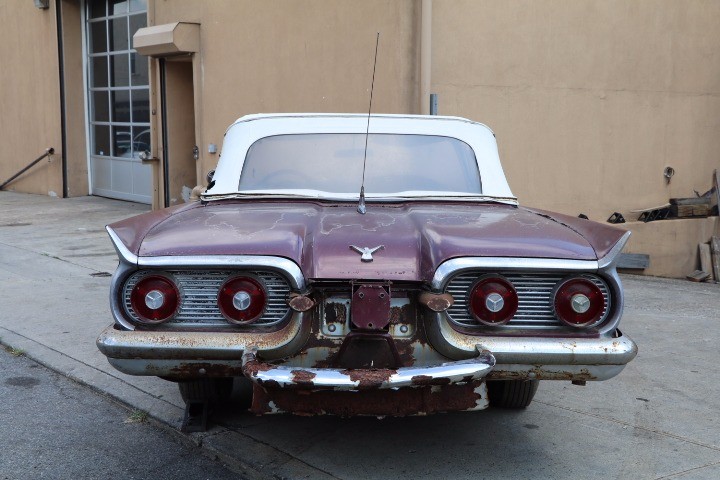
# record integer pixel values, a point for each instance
(119, 100)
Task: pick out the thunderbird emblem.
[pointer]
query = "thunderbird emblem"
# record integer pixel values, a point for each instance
(366, 252)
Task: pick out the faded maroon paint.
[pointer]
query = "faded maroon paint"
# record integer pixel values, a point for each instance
(132, 230)
(604, 236)
(417, 236)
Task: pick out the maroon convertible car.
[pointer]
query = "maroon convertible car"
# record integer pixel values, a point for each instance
(430, 291)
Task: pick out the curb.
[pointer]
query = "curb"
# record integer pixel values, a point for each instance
(240, 453)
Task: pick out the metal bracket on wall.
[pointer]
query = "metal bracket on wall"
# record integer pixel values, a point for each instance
(657, 214)
(616, 217)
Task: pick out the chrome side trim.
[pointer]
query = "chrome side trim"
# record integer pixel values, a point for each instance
(457, 265)
(122, 272)
(282, 265)
(361, 379)
(612, 256)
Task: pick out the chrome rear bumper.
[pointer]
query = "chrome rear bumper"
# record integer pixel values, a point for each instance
(196, 354)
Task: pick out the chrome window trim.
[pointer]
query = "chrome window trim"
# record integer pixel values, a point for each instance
(286, 267)
(457, 265)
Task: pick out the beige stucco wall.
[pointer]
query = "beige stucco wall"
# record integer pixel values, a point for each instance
(29, 97)
(313, 56)
(590, 100)
(673, 244)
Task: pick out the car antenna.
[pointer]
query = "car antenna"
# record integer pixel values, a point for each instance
(361, 203)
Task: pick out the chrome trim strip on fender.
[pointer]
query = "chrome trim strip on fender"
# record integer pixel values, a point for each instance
(457, 265)
(282, 265)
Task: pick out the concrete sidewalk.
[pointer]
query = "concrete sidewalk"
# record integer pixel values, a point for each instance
(55, 265)
(658, 419)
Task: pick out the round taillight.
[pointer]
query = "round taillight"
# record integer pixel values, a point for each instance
(579, 302)
(155, 299)
(493, 301)
(242, 300)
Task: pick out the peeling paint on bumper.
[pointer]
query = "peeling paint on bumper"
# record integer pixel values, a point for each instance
(278, 376)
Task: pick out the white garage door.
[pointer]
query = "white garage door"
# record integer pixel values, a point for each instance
(118, 99)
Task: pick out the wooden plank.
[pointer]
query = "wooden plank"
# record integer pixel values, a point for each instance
(638, 261)
(691, 210)
(705, 258)
(715, 248)
(698, 276)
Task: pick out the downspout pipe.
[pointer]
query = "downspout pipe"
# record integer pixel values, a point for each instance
(63, 119)
(425, 56)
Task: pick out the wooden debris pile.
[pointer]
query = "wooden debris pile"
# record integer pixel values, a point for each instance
(709, 262)
(699, 206)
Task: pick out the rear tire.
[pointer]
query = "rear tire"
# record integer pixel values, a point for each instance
(206, 389)
(511, 393)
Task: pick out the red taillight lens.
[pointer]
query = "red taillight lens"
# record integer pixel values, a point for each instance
(242, 300)
(154, 299)
(493, 301)
(579, 302)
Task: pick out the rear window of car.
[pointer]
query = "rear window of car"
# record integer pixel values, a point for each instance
(333, 163)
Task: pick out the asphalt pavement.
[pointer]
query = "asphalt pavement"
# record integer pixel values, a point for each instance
(657, 420)
(55, 428)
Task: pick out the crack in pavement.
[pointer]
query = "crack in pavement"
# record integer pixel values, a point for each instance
(677, 474)
(628, 424)
(47, 255)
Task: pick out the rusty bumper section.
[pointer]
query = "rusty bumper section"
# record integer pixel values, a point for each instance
(402, 402)
(183, 355)
(278, 376)
(179, 354)
(452, 386)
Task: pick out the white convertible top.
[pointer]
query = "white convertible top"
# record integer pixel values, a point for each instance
(248, 129)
